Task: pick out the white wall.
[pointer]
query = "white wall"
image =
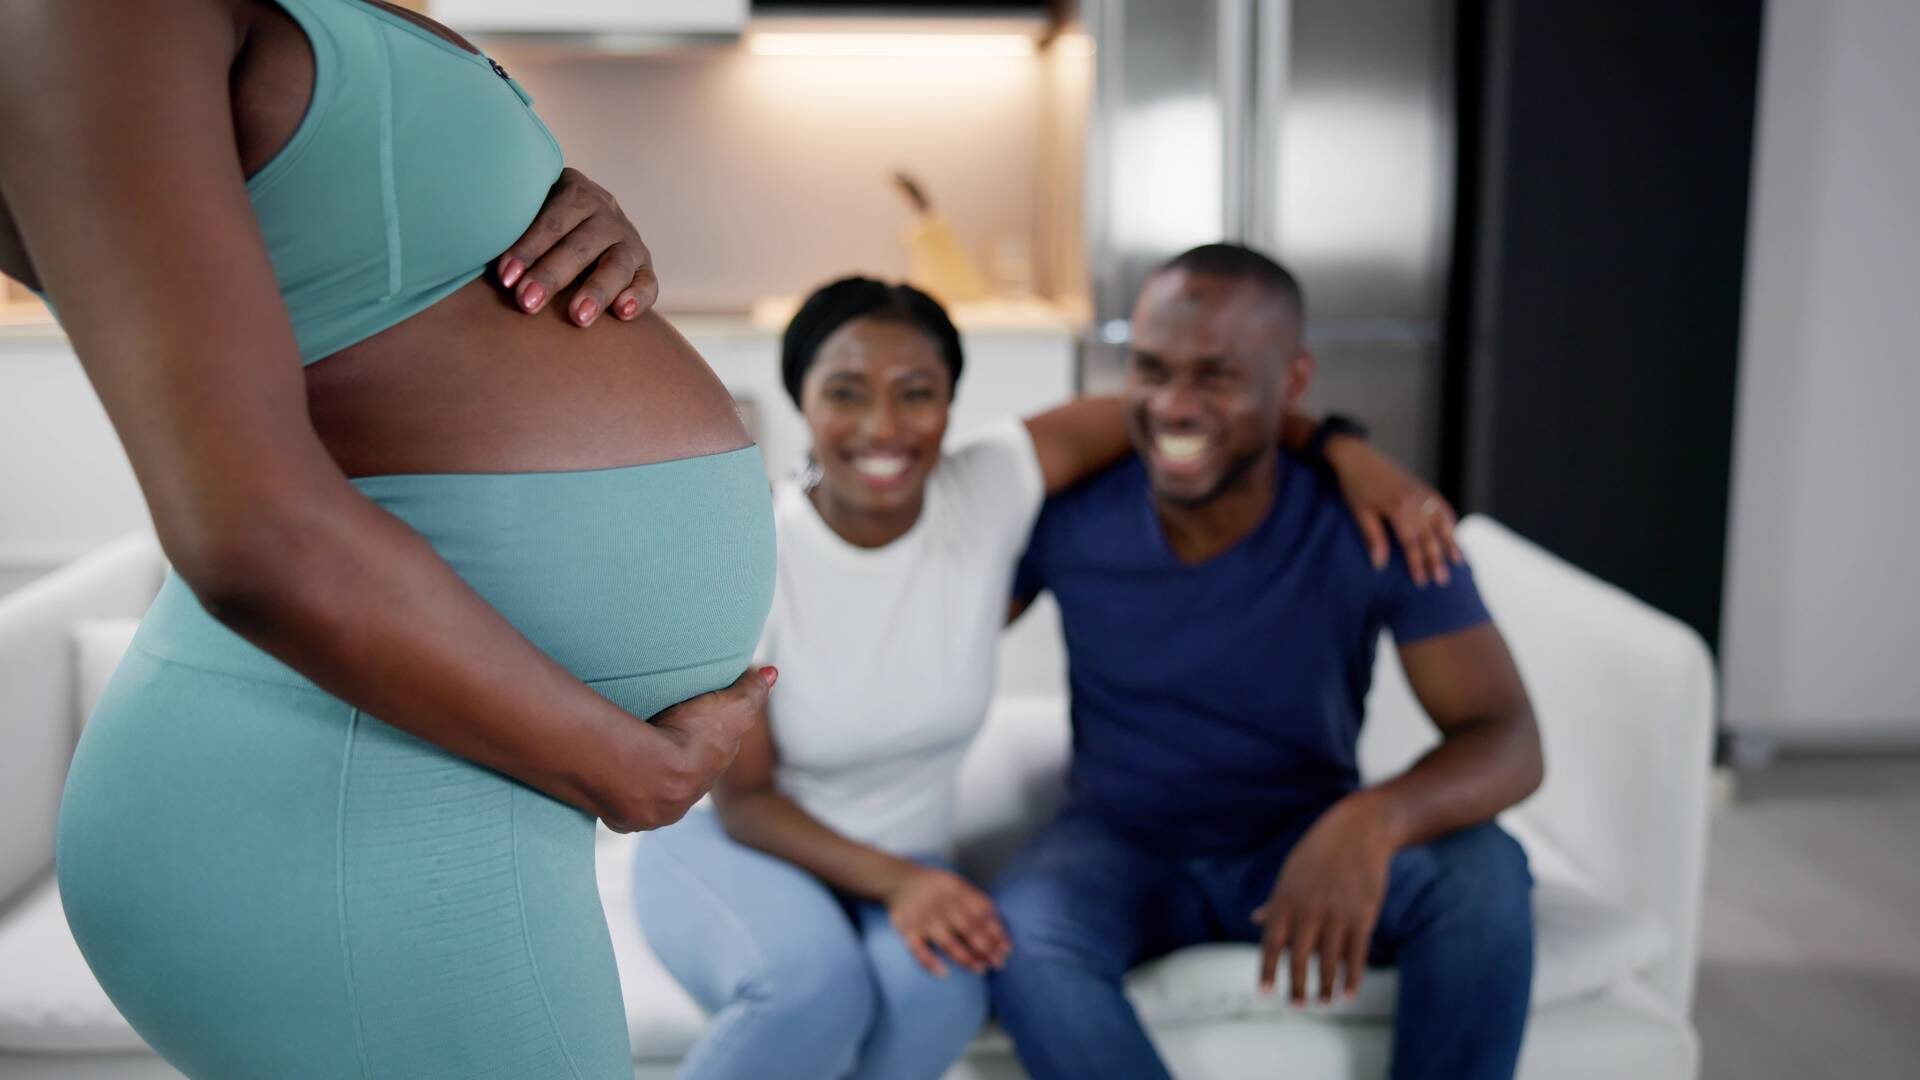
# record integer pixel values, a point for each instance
(1823, 590)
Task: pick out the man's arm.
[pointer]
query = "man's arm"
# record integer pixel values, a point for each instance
(1489, 753)
(1330, 890)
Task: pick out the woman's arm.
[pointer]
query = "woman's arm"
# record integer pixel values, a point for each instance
(1384, 497)
(1087, 436)
(930, 907)
(758, 814)
(1082, 438)
(118, 165)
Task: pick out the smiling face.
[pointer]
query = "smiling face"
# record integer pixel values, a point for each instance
(1215, 364)
(876, 400)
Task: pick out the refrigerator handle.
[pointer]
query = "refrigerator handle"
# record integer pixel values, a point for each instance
(1234, 30)
(1270, 43)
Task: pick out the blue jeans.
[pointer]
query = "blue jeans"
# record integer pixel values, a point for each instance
(1084, 905)
(801, 982)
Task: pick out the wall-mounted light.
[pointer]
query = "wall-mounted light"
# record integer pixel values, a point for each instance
(762, 43)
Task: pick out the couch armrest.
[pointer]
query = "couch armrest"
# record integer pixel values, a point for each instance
(1625, 699)
(37, 689)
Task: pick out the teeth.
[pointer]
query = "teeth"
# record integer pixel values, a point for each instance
(1180, 448)
(880, 466)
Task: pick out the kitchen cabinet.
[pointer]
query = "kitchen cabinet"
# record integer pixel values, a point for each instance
(593, 16)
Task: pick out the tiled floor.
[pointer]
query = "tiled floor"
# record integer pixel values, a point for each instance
(1811, 945)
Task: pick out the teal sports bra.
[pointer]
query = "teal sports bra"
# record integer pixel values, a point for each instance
(416, 165)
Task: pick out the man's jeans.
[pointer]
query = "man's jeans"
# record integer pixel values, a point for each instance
(1083, 906)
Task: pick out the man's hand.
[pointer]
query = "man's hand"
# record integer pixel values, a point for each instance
(580, 226)
(935, 908)
(1327, 899)
(1382, 495)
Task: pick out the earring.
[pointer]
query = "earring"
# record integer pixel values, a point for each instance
(808, 475)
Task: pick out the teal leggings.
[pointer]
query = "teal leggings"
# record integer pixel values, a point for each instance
(270, 883)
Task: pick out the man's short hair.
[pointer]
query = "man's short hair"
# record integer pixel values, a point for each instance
(1235, 262)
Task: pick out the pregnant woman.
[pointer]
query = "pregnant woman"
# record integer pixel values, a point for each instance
(436, 557)
(818, 915)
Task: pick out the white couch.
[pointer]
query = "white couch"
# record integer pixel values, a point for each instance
(1616, 836)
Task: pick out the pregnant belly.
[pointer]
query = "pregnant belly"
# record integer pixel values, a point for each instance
(472, 386)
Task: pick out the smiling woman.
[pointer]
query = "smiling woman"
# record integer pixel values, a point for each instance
(872, 368)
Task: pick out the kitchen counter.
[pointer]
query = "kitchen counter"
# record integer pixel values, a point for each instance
(27, 322)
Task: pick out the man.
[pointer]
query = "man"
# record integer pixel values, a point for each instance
(1221, 614)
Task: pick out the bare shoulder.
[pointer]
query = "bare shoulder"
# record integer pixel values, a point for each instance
(88, 49)
(42, 29)
(65, 61)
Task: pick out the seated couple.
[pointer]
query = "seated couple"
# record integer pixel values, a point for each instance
(1221, 610)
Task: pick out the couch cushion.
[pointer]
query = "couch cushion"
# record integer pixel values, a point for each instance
(49, 1001)
(98, 647)
(1584, 945)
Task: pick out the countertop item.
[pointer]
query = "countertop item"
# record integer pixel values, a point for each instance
(936, 259)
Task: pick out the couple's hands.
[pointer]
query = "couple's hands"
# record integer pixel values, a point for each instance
(698, 740)
(1327, 900)
(1384, 497)
(933, 909)
(580, 226)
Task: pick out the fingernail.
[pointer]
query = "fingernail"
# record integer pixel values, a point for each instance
(629, 309)
(532, 297)
(511, 272)
(584, 311)
(1441, 575)
(769, 675)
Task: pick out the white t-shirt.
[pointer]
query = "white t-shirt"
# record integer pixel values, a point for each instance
(886, 655)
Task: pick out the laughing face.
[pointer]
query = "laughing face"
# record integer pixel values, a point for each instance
(876, 399)
(1215, 364)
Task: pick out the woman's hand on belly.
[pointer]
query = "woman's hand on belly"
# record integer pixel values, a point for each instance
(703, 735)
(581, 227)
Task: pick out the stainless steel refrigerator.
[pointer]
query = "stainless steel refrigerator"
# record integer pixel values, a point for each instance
(1319, 131)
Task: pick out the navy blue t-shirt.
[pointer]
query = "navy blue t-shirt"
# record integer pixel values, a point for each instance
(1217, 704)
